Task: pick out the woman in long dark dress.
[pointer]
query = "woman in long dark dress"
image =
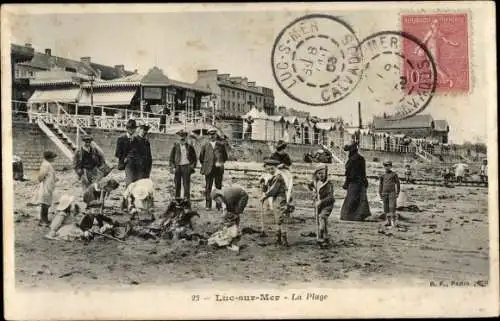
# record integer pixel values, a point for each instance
(355, 206)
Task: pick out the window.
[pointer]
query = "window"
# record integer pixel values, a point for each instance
(238, 95)
(233, 106)
(234, 95)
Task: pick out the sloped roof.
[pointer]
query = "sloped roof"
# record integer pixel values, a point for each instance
(417, 121)
(441, 125)
(324, 126)
(156, 76)
(46, 62)
(131, 80)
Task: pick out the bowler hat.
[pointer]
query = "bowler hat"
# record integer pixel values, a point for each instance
(271, 162)
(49, 154)
(212, 131)
(181, 133)
(281, 145)
(131, 124)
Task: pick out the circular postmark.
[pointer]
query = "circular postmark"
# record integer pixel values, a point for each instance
(399, 74)
(316, 60)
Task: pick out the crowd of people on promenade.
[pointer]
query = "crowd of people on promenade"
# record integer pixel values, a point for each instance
(134, 155)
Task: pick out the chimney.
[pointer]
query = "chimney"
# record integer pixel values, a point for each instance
(48, 52)
(28, 45)
(120, 70)
(85, 60)
(251, 84)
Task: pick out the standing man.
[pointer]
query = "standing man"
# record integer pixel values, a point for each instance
(213, 155)
(123, 148)
(140, 153)
(182, 164)
(87, 163)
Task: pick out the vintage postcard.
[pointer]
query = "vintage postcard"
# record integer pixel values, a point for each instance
(254, 160)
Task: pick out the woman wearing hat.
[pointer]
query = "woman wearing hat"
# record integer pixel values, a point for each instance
(88, 161)
(277, 191)
(355, 206)
(47, 179)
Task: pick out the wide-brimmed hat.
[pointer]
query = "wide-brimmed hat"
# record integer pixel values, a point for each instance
(87, 138)
(212, 131)
(131, 124)
(182, 133)
(387, 163)
(350, 147)
(49, 154)
(281, 145)
(271, 162)
(215, 192)
(64, 202)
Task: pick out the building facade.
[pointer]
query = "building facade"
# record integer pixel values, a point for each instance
(234, 95)
(418, 126)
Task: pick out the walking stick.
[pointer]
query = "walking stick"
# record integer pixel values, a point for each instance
(262, 231)
(316, 214)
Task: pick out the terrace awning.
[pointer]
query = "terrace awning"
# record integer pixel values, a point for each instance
(69, 95)
(109, 98)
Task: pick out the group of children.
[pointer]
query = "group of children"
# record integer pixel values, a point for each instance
(232, 200)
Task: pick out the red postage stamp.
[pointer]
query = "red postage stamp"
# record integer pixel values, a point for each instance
(446, 36)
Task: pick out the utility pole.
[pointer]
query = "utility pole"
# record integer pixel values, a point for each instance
(359, 115)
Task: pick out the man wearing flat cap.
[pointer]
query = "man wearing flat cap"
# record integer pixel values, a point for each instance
(213, 155)
(89, 163)
(123, 148)
(182, 164)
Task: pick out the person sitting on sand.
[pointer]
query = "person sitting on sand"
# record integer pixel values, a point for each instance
(95, 196)
(64, 210)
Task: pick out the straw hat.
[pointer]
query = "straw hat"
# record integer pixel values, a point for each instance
(64, 202)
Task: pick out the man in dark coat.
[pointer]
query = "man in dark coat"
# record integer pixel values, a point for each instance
(123, 148)
(213, 155)
(355, 206)
(140, 153)
(182, 164)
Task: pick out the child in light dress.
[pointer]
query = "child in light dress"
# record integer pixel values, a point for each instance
(45, 193)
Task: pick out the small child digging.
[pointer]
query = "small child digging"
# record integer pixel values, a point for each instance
(389, 191)
(324, 200)
(47, 179)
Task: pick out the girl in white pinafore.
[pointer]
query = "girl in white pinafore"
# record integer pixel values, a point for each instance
(47, 179)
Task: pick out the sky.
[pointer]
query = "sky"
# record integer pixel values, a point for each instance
(234, 42)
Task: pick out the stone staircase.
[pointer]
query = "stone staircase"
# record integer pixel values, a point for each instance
(59, 138)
